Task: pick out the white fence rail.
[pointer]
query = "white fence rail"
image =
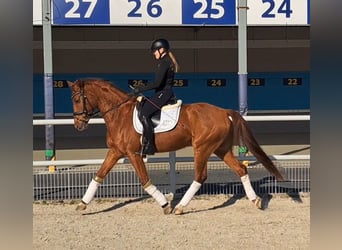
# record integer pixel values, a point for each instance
(247, 118)
(101, 121)
(154, 160)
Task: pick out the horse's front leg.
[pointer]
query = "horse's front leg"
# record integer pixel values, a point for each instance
(145, 181)
(111, 158)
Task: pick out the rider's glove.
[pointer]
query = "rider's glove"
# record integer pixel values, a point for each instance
(136, 91)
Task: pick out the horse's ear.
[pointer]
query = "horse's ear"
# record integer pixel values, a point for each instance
(70, 83)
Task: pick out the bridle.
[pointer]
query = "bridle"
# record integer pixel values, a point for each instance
(85, 112)
(89, 115)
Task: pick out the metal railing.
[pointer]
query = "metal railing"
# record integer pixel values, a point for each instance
(70, 183)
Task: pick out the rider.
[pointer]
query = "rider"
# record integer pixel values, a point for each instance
(163, 83)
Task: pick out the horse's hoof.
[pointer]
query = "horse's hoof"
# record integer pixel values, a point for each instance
(169, 197)
(167, 209)
(258, 202)
(81, 206)
(178, 210)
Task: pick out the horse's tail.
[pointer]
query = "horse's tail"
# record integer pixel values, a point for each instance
(242, 130)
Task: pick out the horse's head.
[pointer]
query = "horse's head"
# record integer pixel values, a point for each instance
(83, 110)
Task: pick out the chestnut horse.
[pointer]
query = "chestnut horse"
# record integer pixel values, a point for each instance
(207, 128)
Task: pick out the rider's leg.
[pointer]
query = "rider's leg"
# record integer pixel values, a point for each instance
(148, 135)
(149, 107)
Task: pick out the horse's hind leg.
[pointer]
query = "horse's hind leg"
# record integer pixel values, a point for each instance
(241, 171)
(201, 159)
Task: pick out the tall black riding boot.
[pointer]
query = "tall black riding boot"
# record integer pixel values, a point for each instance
(148, 133)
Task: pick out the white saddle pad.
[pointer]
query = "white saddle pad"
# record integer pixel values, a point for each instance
(168, 118)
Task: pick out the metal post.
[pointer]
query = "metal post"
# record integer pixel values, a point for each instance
(242, 45)
(48, 81)
(172, 157)
(242, 41)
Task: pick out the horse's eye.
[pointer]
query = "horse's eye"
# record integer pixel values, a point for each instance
(75, 98)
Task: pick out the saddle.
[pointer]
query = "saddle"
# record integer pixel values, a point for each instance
(164, 120)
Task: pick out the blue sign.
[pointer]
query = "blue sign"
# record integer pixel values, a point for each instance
(81, 12)
(217, 12)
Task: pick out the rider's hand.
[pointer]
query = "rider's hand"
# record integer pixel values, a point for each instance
(139, 98)
(136, 91)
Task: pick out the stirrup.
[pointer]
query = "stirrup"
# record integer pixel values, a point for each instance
(141, 153)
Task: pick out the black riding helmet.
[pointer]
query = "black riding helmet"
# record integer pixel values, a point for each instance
(160, 43)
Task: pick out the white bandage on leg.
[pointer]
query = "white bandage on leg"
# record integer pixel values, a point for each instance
(156, 194)
(195, 186)
(92, 188)
(248, 187)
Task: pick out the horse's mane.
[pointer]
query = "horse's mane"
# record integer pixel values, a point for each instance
(100, 81)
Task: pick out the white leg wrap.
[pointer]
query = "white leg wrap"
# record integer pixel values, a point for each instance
(156, 194)
(195, 186)
(92, 188)
(248, 187)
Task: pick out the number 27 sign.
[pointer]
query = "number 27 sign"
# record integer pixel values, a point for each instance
(178, 12)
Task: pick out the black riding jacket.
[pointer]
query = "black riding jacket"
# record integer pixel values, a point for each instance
(164, 76)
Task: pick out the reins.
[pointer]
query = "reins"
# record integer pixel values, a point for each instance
(115, 107)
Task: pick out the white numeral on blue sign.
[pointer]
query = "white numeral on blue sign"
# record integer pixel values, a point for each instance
(80, 12)
(72, 13)
(211, 12)
(216, 6)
